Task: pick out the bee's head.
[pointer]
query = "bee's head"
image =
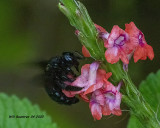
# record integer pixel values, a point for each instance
(71, 59)
(68, 57)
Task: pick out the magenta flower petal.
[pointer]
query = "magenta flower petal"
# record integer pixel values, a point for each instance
(112, 100)
(106, 101)
(93, 73)
(97, 99)
(102, 33)
(137, 39)
(112, 55)
(101, 78)
(96, 111)
(117, 46)
(86, 79)
(82, 80)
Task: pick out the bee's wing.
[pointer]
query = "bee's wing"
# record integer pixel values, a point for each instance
(42, 64)
(38, 79)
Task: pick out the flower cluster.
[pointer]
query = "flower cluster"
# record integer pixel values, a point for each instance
(103, 97)
(122, 44)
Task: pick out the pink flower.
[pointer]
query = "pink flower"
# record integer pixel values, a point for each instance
(91, 79)
(142, 49)
(96, 103)
(118, 46)
(106, 101)
(96, 110)
(104, 98)
(87, 77)
(112, 100)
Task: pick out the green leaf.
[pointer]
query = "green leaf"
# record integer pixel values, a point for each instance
(12, 107)
(150, 89)
(134, 123)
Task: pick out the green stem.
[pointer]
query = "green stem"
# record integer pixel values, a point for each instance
(138, 105)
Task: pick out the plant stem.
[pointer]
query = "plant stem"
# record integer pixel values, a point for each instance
(138, 105)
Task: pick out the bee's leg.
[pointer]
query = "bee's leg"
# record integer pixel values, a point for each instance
(72, 88)
(70, 71)
(78, 55)
(67, 77)
(66, 87)
(60, 84)
(76, 65)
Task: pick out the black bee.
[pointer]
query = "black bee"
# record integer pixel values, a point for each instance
(57, 76)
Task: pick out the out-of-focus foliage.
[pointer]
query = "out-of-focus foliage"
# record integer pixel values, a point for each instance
(15, 44)
(12, 108)
(150, 88)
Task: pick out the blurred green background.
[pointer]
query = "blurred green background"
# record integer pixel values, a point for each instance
(32, 30)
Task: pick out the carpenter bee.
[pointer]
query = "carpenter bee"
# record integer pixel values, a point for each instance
(58, 74)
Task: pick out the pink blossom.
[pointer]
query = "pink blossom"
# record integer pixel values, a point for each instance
(112, 100)
(106, 101)
(142, 49)
(105, 98)
(96, 103)
(96, 110)
(118, 46)
(87, 77)
(91, 79)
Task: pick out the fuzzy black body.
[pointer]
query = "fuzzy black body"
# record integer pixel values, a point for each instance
(58, 75)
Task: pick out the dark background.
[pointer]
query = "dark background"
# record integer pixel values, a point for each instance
(32, 30)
